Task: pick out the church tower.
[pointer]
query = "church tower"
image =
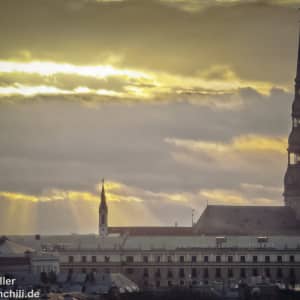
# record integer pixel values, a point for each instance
(292, 176)
(103, 212)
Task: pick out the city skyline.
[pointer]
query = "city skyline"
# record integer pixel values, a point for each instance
(173, 111)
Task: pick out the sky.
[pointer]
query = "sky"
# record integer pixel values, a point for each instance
(176, 103)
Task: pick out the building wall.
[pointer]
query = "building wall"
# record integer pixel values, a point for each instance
(166, 268)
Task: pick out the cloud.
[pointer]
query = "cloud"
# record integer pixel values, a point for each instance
(219, 50)
(232, 197)
(246, 143)
(218, 87)
(196, 5)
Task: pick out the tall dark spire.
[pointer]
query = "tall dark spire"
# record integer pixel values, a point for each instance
(103, 205)
(297, 80)
(292, 175)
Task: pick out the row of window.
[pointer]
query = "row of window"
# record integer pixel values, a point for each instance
(217, 273)
(218, 259)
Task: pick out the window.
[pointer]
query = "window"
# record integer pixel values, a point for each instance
(206, 258)
(292, 258)
(83, 259)
(230, 258)
(292, 273)
(181, 258)
(71, 259)
(145, 259)
(254, 272)
(94, 259)
(218, 273)
(243, 273)
(294, 158)
(146, 273)
(296, 122)
(157, 283)
(169, 258)
(267, 259)
(230, 273)
(146, 283)
(194, 272)
(170, 274)
(170, 284)
(279, 273)
(243, 259)
(267, 272)
(129, 259)
(157, 259)
(218, 258)
(106, 259)
(255, 259)
(205, 273)
(181, 282)
(279, 259)
(194, 258)
(181, 272)
(157, 273)
(129, 270)
(83, 270)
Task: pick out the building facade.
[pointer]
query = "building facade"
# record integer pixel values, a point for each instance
(173, 265)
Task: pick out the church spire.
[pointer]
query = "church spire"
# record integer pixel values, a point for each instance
(103, 213)
(292, 175)
(103, 205)
(297, 80)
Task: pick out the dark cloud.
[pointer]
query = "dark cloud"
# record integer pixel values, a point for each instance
(255, 40)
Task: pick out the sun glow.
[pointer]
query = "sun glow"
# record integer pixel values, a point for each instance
(51, 68)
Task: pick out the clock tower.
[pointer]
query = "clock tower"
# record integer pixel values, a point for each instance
(292, 176)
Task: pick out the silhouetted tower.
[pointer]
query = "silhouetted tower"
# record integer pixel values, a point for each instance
(292, 175)
(103, 212)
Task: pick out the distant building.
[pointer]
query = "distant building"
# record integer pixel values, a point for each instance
(19, 259)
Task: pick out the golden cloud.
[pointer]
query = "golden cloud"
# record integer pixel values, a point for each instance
(232, 197)
(134, 85)
(244, 143)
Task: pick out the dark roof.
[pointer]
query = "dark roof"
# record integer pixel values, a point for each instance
(151, 230)
(247, 220)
